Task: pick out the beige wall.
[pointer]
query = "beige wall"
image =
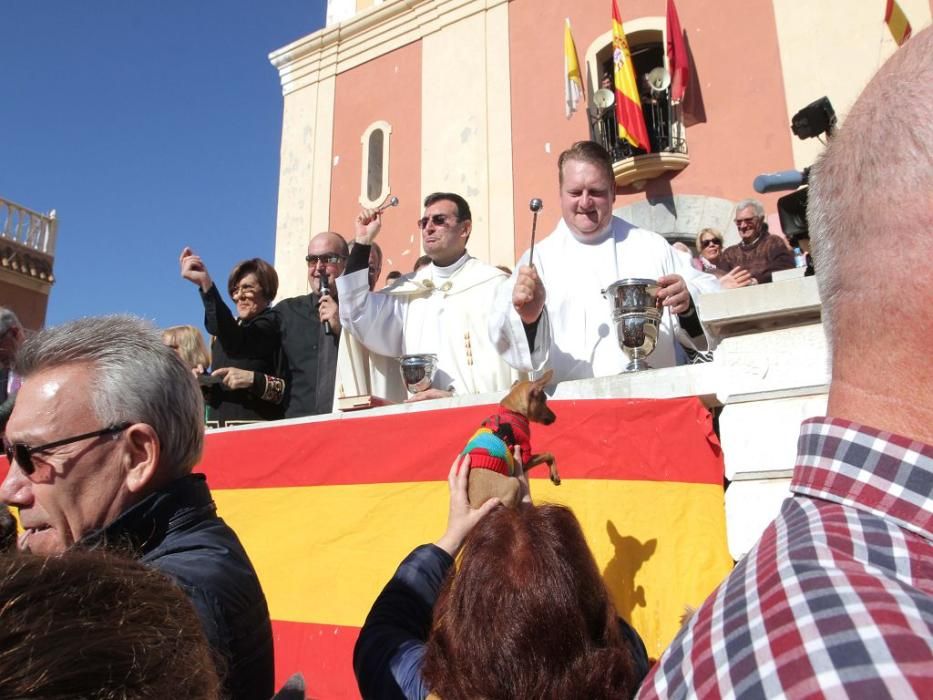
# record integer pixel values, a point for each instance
(491, 121)
(833, 48)
(304, 180)
(466, 124)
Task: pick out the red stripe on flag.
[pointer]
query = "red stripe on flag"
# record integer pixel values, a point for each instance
(591, 439)
(322, 653)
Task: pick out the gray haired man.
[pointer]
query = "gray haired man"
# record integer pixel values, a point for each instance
(759, 252)
(107, 427)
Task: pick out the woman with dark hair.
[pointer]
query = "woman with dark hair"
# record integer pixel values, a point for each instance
(524, 615)
(244, 385)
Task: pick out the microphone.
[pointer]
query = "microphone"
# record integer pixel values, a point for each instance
(780, 181)
(325, 289)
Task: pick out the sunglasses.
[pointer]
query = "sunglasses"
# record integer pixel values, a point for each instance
(710, 241)
(327, 259)
(438, 220)
(23, 453)
(747, 222)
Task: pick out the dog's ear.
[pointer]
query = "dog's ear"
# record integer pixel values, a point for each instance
(544, 379)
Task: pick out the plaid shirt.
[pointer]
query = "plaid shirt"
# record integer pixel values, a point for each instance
(836, 599)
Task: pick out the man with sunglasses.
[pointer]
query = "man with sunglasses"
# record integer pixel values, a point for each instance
(442, 308)
(759, 252)
(311, 330)
(107, 427)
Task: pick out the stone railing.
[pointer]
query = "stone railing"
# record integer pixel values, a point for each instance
(28, 228)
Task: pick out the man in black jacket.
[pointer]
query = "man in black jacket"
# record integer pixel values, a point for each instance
(310, 326)
(107, 427)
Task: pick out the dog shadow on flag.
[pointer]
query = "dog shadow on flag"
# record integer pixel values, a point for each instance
(622, 570)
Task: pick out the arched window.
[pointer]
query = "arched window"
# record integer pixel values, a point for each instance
(374, 182)
(646, 38)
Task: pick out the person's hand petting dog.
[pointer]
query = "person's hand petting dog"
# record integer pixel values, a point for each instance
(461, 518)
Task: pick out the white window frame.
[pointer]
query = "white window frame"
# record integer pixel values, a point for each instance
(386, 129)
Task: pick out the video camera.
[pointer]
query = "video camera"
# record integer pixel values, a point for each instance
(815, 119)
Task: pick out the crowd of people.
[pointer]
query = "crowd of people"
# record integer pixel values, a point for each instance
(487, 325)
(128, 583)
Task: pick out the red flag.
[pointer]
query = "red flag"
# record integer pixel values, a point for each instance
(628, 103)
(677, 60)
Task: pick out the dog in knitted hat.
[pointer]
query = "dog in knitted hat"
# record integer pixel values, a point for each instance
(493, 470)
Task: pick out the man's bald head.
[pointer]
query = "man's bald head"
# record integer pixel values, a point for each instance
(327, 252)
(871, 213)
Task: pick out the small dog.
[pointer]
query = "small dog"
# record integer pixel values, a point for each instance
(492, 464)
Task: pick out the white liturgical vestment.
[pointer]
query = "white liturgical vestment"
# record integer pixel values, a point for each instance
(435, 310)
(576, 335)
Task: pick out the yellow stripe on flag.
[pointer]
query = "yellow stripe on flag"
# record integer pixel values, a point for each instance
(323, 553)
(897, 22)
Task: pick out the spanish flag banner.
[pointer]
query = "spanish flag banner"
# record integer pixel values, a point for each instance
(897, 22)
(573, 82)
(328, 508)
(628, 104)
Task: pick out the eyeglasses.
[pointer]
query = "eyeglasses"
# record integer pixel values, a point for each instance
(23, 453)
(438, 220)
(327, 259)
(749, 221)
(710, 241)
(244, 289)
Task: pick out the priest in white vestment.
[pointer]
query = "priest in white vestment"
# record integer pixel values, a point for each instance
(442, 309)
(362, 374)
(554, 315)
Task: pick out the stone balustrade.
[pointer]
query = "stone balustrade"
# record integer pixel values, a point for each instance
(28, 228)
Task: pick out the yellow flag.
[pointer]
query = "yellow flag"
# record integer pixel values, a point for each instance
(573, 85)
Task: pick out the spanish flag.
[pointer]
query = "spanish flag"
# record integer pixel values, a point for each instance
(573, 85)
(628, 104)
(328, 507)
(897, 22)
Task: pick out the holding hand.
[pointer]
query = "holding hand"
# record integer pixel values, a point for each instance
(461, 518)
(367, 226)
(193, 269)
(528, 296)
(329, 310)
(673, 293)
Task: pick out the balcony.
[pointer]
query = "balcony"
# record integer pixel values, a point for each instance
(27, 242)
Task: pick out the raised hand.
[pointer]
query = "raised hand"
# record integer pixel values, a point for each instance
(461, 518)
(193, 269)
(528, 295)
(367, 226)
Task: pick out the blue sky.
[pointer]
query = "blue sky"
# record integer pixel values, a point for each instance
(147, 125)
